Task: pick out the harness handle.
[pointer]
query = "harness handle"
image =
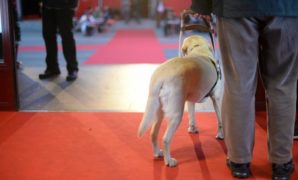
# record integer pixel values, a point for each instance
(188, 27)
(204, 28)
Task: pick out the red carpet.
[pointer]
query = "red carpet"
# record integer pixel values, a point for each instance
(126, 46)
(94, 146)
(130, 46)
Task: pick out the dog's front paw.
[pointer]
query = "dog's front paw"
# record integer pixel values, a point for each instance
(192, 130)
(220, 137)
(171, 162)
(158, 154)
(220, 134)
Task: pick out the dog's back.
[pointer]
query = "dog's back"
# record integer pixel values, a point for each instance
(180, 79)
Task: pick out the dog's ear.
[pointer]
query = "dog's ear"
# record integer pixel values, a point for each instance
(184, 47)
(184, 51)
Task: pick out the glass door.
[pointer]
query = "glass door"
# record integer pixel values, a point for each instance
(1, 48)
(8, 86)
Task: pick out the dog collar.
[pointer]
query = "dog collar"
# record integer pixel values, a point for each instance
(196, 45)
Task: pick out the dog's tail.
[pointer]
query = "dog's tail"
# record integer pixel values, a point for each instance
(152, 107)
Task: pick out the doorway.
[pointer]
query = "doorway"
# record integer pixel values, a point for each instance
(104, 86)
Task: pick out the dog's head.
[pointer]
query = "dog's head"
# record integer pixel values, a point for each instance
(196, 46)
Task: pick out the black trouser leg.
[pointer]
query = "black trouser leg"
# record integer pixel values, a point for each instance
(49, 32)
(65, 26)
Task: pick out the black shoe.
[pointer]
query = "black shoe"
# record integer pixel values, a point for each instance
(72, 76)
(296, 130)
(282, 171)
(49, 74)
(239, 170)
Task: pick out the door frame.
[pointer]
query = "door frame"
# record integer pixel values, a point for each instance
(8, 81)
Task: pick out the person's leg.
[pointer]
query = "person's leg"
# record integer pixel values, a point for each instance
(65, 25)
(279, 72)
(279, 69)
(238, 38)
(158, 19)
(126, 14)
(296, 122)
(49, 32)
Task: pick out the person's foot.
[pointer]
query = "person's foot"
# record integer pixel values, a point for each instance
(49, 74)
(239, 170)
(19, 64)
(296, 130)
(282, 171)
(73, 75)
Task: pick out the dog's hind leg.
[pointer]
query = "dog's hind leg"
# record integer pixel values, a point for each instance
(157, 152)
(173, 124)
(174, 114)
(191, 117)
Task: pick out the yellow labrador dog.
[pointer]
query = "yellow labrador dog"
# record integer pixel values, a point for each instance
(191, 78)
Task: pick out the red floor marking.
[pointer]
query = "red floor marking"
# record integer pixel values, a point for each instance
(130, 46)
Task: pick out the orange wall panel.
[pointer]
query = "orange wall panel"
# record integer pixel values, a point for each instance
(178, 5)
(85, 4)
(112, 3)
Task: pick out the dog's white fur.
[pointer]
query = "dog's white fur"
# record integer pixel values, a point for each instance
(189, 78)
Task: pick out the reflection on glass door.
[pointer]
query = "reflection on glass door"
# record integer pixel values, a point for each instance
(8, 90)
(1, 42)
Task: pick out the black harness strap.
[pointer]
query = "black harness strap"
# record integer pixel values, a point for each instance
(207, 28)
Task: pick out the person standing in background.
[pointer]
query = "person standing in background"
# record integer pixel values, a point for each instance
(160, 12)
(125, 10)
(57, 17)
(136, 10)
(257, 35)
(131, 10)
